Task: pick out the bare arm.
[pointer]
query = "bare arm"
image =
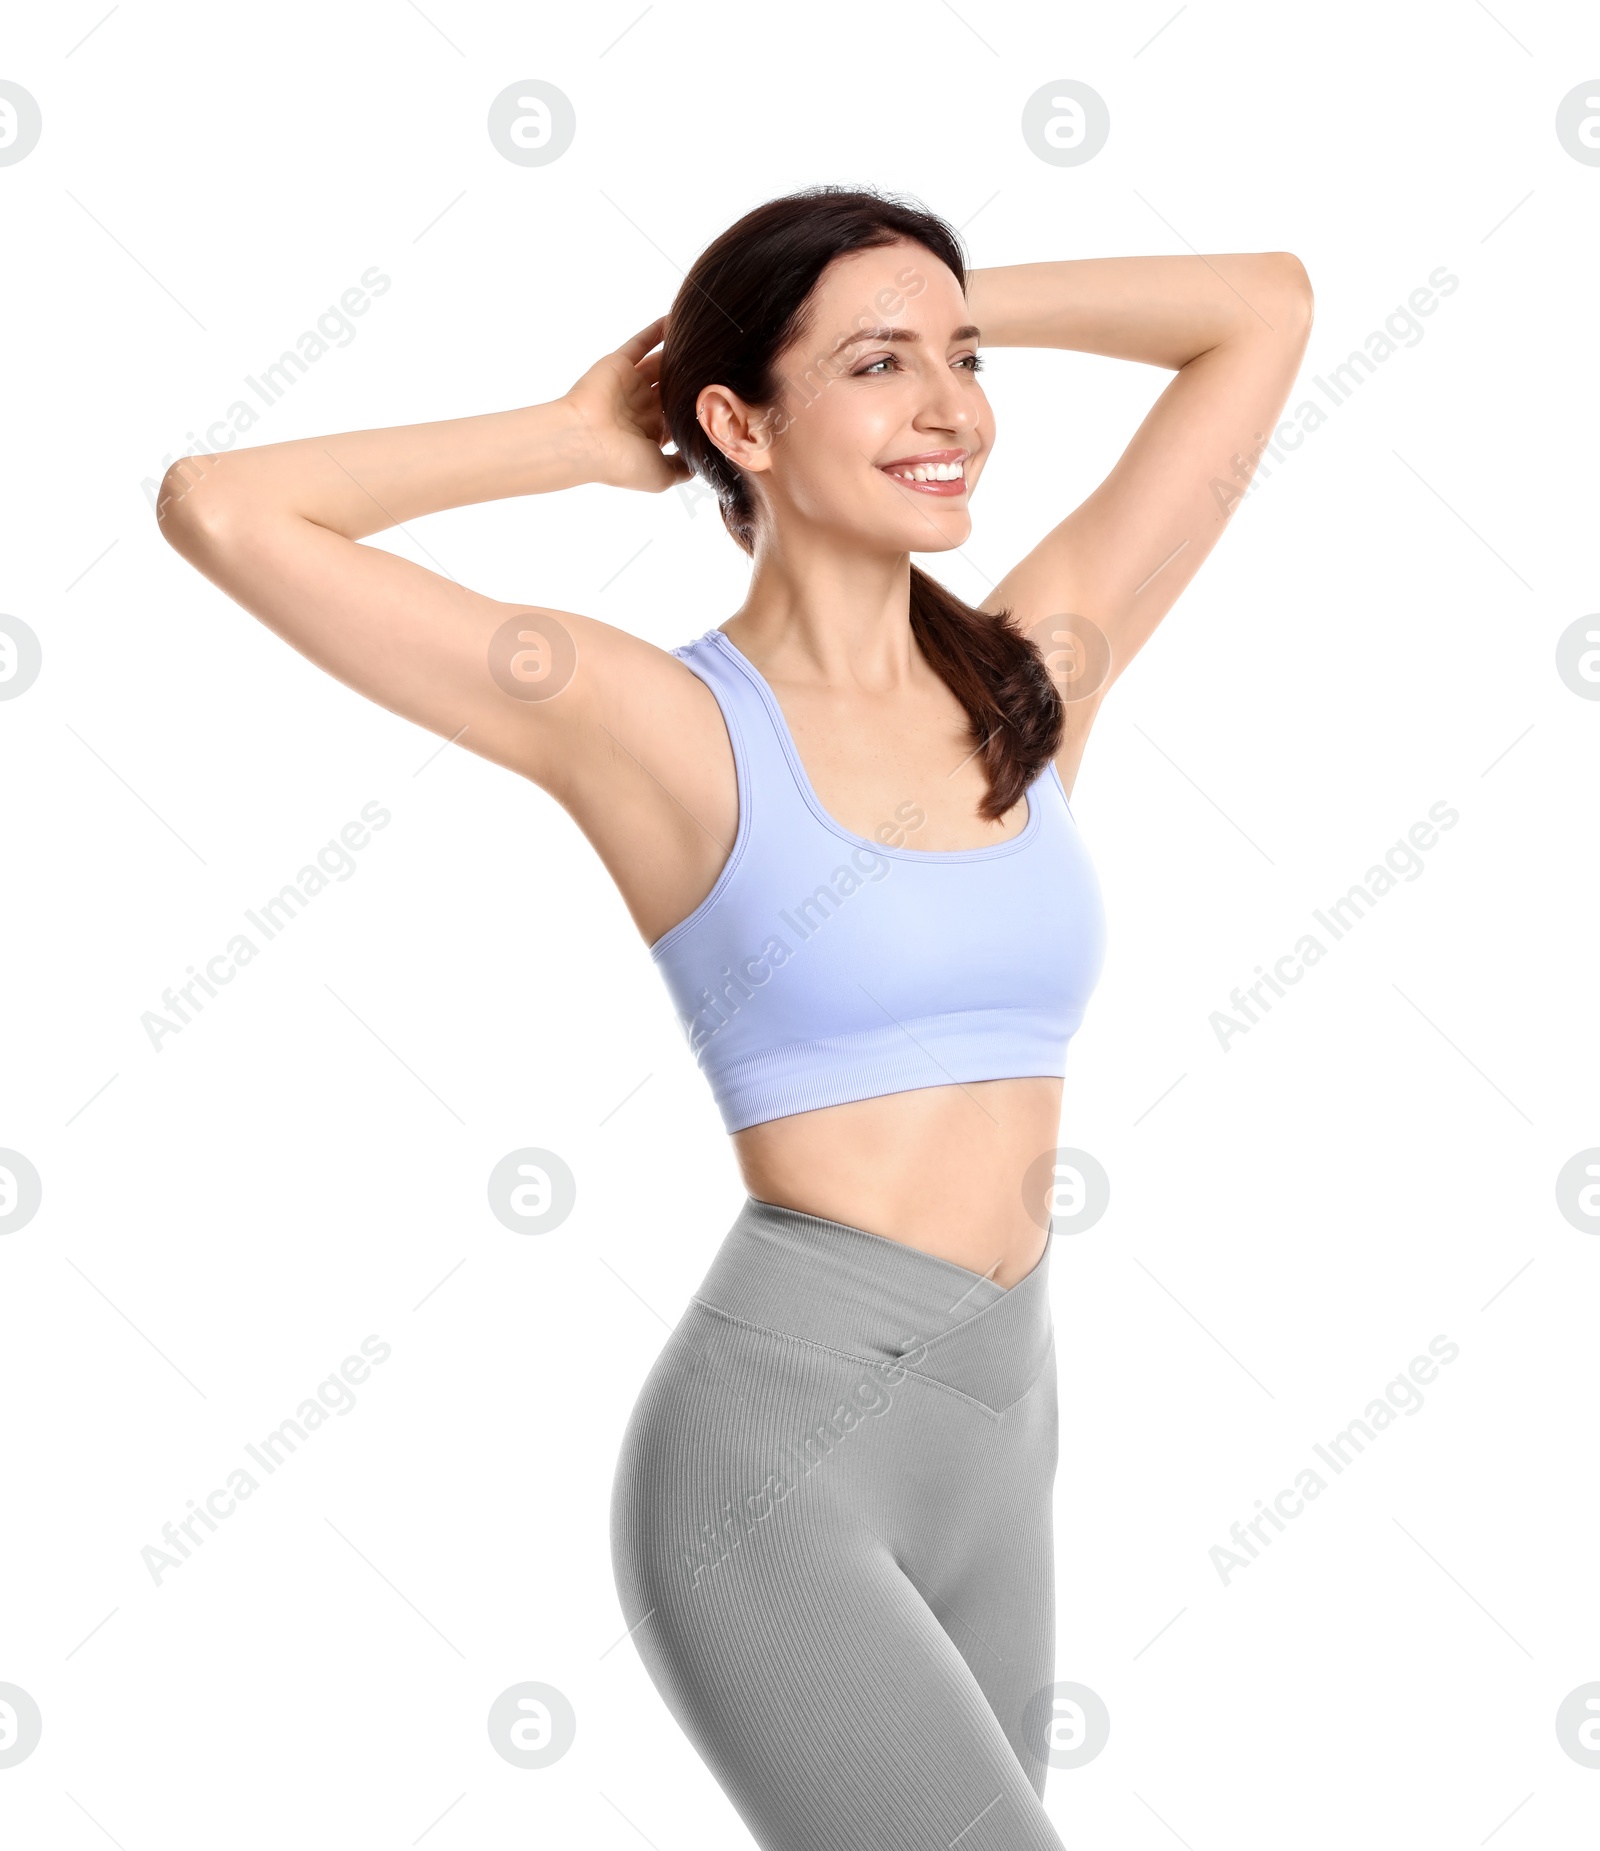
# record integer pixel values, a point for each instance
(278, 528)
(1233, 329)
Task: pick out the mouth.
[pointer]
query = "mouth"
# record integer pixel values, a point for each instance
(935, 472)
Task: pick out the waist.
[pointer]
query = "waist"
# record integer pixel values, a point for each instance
(847, 1289)
(953, 1169)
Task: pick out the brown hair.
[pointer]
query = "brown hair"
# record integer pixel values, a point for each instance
(741, 304)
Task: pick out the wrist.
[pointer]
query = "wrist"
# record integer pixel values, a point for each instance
(582, 451)
(991, 302)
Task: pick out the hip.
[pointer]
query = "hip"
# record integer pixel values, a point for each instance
(829, 1383)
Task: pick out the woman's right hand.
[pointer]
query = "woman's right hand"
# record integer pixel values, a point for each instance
(619, 404)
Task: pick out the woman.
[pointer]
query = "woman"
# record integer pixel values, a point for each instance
(840, 822)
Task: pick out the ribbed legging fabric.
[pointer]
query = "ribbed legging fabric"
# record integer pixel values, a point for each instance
(831, 1535)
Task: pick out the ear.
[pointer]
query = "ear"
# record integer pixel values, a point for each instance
(741, 432)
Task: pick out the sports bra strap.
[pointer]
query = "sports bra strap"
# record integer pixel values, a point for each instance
(768, 777)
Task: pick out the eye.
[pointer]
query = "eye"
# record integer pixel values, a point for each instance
(974, 363)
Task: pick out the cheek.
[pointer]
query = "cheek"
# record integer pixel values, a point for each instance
(984, 432)
(849, 421)
(831, 447)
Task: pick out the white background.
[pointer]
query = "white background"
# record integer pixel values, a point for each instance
(305, 1164)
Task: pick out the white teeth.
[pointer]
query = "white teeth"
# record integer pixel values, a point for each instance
(930, 472)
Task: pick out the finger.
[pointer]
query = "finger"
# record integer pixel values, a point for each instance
(644, 340)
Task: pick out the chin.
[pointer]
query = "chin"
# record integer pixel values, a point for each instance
(949, 533)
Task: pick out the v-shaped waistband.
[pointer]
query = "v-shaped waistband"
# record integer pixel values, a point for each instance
(879, 1299)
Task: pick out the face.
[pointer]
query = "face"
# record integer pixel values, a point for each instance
(880, 429)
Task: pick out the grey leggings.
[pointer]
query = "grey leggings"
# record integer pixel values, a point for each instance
(831, 1534)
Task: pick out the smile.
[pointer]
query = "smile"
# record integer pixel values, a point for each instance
(930, 478)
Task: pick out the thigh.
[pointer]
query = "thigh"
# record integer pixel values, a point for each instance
(989, 1575)
(812, 1673)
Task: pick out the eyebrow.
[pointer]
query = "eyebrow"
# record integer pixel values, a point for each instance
(969, 333)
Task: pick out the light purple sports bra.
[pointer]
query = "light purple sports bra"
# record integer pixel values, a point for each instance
(825, 967)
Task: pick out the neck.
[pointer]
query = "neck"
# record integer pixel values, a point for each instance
(833, 617)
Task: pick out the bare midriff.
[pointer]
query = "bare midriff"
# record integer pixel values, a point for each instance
(943, 1168)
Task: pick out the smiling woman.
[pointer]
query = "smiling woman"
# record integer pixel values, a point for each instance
(793, 351)
(863, 1651)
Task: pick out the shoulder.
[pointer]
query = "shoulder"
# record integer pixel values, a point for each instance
(592, 691)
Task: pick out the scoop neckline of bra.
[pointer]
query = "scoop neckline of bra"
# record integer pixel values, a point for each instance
(814, 803)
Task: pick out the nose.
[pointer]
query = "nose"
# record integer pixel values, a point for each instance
(949, 404)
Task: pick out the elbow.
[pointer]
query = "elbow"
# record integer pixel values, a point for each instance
(1296, 281)
(188, 508)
